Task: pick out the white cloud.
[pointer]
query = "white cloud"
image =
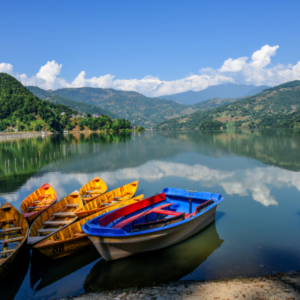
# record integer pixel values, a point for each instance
(257, 182)
(6, 68)
(256, 70)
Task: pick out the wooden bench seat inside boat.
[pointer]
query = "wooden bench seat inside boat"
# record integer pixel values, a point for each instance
(72, 205)
(11, 229)
(56, 222)
(6, 220)
(13, 240)
(7, 251)
(46, 230)
(65, 214)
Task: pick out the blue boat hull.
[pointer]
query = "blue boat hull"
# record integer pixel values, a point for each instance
(112, 248)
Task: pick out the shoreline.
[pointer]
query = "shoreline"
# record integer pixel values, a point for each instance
(19, 135)
(276, 286)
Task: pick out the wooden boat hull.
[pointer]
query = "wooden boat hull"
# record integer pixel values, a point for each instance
(116, 248)
(66, 247)
(157, 267)
(63, 242)
(34, 197)
(7, 211)
(35, 234)
(97, 187)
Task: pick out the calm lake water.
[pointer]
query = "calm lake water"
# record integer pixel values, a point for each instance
(257, 225)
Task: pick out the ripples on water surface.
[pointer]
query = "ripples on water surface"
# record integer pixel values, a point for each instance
(256, 229)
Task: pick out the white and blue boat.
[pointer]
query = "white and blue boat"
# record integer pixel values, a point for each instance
(153, 223)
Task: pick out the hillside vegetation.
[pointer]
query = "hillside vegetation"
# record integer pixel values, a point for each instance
(223, 91)
(276, 107)
(75, 105)
(139, 109)
(20, 109)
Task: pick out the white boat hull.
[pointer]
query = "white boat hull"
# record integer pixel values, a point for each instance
(111, 248)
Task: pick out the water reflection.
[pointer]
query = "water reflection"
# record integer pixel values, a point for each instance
(45, 271)
(155, 267)
(280, 148)
(10, 285)
(256, 172)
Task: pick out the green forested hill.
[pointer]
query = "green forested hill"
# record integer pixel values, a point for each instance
(277, 107)
(75, 105)
(19, 107)
(139, 109)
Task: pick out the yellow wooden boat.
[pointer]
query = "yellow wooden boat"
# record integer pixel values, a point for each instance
(54, 218)
(13, 232)
(37, 202)
(93, 189)
(71, 239)
(113, 197)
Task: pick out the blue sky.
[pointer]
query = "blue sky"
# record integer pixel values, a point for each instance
(154, 47)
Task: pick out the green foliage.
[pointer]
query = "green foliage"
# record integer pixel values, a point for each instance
(276, 107)
(74, 105)
(19, 107)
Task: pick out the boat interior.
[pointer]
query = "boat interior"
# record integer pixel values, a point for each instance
(57, 216)
(111, 198)
(74, 231)
(39, 200)
(93, 189)
(153, 212)
(12, 231)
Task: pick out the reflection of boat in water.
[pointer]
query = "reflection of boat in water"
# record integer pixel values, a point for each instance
(10, 285)
(45, 271)
(155, 267)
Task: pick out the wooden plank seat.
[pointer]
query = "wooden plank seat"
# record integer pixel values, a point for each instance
(47, 230)
(12, 240)
(79, 234)
(6, 220)
(10, 229)
(38, 206)
(43, 201)
(72, 205)
(56, 222)
(65, 214)
(7, 251)
(40, 197)
(95, 191)
(133, 218)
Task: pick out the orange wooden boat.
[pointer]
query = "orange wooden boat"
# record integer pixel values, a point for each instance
(57, 216)
(38, 201)
(113, 197)
(13, 232)
(93, 189)
(71, 239)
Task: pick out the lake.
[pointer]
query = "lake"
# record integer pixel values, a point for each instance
(257, 225)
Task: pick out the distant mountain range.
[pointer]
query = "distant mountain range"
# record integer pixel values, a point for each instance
(139, 109)
(52, 97)
(277, 107)
(222, 91)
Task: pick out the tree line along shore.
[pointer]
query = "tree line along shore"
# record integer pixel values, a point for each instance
(22, 111)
